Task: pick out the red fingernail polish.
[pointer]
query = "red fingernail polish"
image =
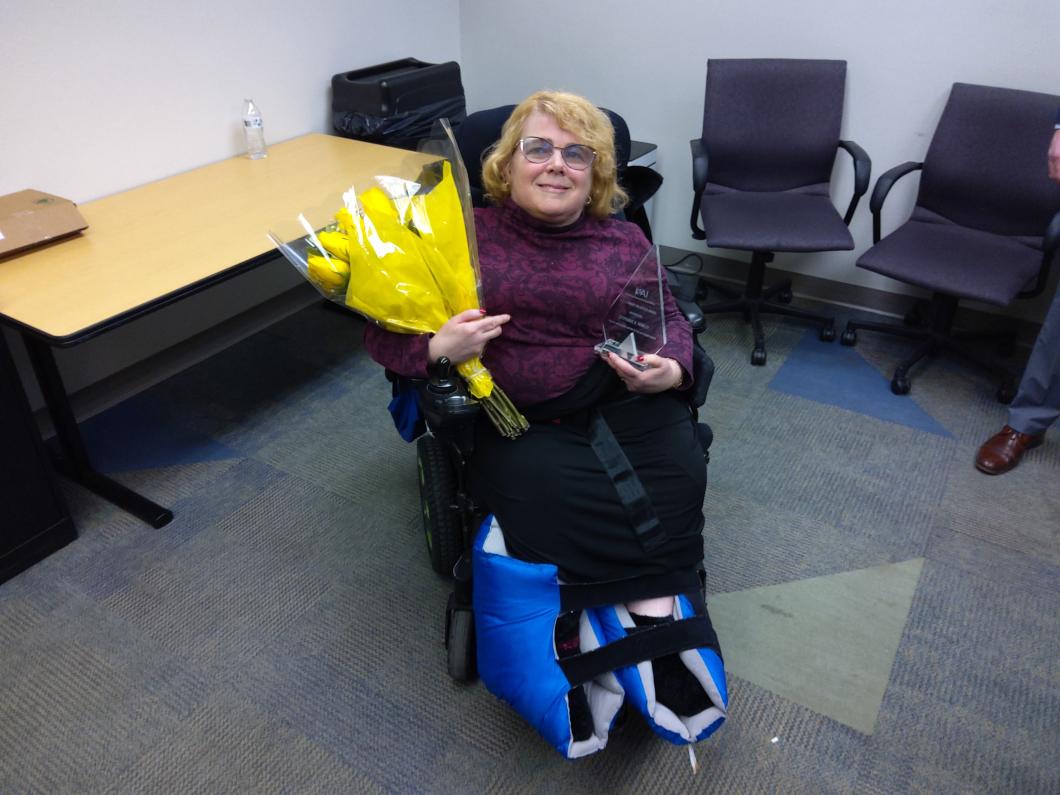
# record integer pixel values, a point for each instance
(640, 358)
(482, 311)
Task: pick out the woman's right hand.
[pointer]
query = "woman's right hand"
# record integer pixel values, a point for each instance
(464, 336)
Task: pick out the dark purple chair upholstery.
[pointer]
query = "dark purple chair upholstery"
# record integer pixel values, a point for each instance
(981, 225)
(761, 174)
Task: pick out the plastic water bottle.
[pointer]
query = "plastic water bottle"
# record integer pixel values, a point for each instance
(253, 130)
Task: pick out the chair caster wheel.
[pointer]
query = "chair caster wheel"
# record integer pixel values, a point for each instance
(758, 357)
(900, 385)
(784, 296)
(827, 334)
(848, 338)
(1005, 393)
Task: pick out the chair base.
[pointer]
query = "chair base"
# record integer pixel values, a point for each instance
(755, 301)
(932, 329)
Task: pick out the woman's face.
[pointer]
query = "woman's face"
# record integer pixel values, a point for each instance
(552, 191)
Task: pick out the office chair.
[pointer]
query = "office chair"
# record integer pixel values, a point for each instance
(482, 129)
(985, 225)
(761, 173)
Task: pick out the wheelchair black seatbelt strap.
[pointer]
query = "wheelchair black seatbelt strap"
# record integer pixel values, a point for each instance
(689, 633)
(630, 490)
(580, 595)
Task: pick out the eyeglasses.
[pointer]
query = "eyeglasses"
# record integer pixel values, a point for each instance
(539, 150)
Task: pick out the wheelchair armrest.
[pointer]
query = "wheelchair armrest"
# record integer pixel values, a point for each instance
(702, 375)
(693, 314)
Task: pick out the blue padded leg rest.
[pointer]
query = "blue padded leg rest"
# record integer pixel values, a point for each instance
(516, 605)
(638, 681)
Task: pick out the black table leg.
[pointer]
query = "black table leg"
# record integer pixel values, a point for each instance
(75, 463)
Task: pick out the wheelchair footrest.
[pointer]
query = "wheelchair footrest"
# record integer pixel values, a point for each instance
(517, 606)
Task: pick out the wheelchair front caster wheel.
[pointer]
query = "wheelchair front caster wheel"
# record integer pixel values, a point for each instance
(758, 357)
(827, 333)
(1005, 393)
(900, 385)
(848, 338)
(460, 642)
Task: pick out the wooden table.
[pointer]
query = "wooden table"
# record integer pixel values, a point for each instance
(156, 244)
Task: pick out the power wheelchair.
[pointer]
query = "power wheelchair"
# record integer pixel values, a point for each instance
(459, 535)
(614, 660)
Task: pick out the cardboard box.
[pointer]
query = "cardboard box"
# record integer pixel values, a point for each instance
(29, 218)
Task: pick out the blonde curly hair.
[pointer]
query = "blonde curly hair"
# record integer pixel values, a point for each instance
(577, 116)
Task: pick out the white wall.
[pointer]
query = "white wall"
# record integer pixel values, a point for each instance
(96, 98)
(99, 97)
(647, 60)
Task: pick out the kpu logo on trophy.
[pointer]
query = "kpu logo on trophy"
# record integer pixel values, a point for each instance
(636, 323)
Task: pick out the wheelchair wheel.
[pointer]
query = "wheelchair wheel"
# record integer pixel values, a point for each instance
(460, 642)
(441, 523)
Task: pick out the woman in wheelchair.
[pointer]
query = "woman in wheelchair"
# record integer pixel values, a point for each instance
(607, 485)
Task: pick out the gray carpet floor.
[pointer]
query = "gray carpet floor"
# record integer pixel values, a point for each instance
(889, 616)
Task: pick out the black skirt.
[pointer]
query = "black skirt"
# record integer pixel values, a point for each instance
(557, 503)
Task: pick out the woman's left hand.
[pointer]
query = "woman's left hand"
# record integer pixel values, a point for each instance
(660, 373)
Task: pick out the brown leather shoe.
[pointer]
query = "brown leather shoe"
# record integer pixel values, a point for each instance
(1003, 450)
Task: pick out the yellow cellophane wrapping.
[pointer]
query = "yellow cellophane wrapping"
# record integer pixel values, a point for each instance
(404, 262)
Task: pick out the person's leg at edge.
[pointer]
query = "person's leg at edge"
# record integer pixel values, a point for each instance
(1036, 405)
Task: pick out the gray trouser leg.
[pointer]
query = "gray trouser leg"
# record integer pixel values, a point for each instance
(1037, 402)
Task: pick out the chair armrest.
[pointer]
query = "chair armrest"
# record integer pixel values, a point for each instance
(883, 187)
(699, 183)
(862, 174)
(1050, 243)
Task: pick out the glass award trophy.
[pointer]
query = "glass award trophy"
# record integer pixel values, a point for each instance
(636, 322)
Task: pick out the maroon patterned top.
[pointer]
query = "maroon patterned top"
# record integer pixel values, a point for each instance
(557, 284)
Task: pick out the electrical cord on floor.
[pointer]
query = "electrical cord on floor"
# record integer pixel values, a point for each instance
(675, 266)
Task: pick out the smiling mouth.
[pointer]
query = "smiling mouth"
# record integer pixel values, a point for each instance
(553, 188)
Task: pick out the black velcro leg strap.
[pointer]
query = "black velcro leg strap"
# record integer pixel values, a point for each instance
(649, 644)
(630, 490)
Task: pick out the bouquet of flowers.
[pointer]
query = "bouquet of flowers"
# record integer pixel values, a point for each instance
(402, 253)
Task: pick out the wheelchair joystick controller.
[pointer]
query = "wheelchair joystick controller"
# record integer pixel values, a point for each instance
(445, 396)
(441, 382)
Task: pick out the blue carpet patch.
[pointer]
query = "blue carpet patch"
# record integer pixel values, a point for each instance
(838, 376)
(139, 434)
